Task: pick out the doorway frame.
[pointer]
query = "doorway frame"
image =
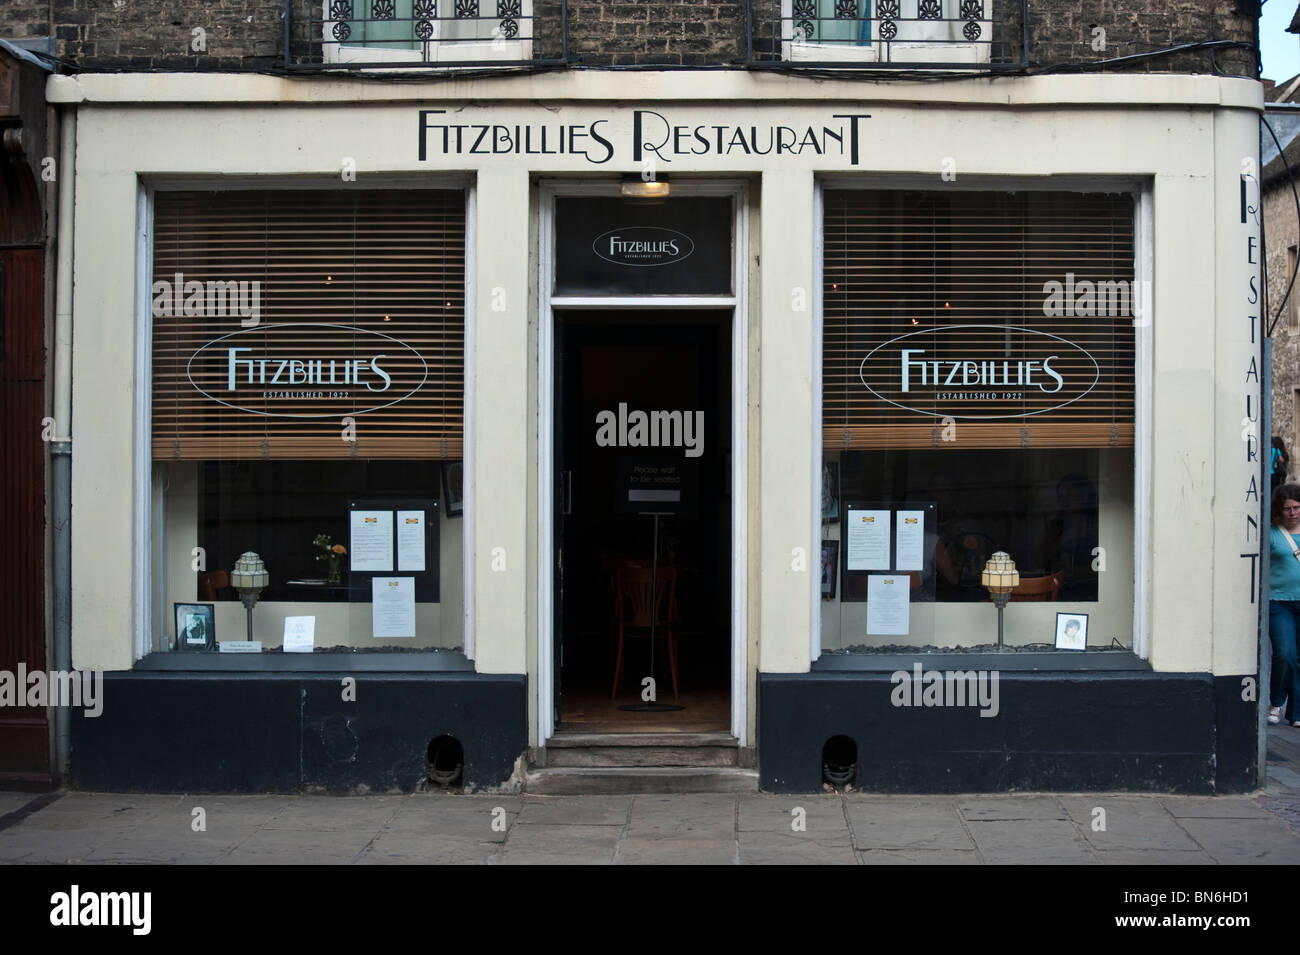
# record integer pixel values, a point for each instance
(737, 303)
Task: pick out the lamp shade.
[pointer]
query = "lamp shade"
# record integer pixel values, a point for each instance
(1000, 575)
(249, 573)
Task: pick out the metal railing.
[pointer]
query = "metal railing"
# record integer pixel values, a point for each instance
(970, 35)
(397, 34)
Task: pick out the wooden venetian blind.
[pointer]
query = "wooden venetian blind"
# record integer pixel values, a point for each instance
(964, 279)
(359, 312)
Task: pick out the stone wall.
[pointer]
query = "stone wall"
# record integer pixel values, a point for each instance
(1283, 235)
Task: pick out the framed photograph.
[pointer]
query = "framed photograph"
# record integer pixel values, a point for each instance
(830, 492)
(453, 485)
(830, 565)
(196, 627)
(1072, 631)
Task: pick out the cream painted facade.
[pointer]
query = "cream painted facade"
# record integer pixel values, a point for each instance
(1181, 140)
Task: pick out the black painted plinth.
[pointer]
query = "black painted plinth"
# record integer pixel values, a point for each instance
(291, 732)
(1054, 731)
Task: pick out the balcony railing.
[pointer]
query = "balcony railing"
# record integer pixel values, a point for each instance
(393, 34)
(972, 35)
(968, 35)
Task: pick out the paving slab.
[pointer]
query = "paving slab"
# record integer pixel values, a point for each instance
(1154, 857)
(1009, 808)
(821, 814)
(674, 851)
(1213, 807)
(794, 848)
(581, 845)
(342, 813)
(54, 846)
(298, 847)
(1130, 823)
(1284, 776)
(12, 802)
(575, 810)
(389, 849)
(927, 826)
(1245, 841)
(708, 815)
(483, 824)
(917, 857)
(1032, 841)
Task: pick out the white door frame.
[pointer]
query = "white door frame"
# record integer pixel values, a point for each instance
(547, 303)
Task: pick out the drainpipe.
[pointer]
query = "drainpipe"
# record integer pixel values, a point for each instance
(61, 447)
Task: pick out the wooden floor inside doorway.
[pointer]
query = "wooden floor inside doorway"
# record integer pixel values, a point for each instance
(705, 711)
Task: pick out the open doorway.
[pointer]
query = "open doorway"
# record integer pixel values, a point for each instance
(643, 456)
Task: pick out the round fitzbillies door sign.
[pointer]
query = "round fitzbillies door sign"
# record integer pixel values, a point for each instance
(643, 245)
(307, 370)
(981, 372)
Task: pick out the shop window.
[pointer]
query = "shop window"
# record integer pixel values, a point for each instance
(308, 382)
(978, 386)
(887, 31)
(427, 31)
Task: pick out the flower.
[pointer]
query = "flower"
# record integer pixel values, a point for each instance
(327, 549)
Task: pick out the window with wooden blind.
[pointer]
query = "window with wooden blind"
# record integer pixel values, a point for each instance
(978, 398)
(278, 315)
(1007, 315)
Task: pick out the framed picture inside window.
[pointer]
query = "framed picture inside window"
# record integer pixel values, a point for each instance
(830, 492)
(453, 484)
(1072, 631)
(196, 627)
(830, 566)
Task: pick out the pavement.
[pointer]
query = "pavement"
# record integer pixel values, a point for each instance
(829, 829)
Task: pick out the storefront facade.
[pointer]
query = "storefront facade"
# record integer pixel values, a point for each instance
(884, 331)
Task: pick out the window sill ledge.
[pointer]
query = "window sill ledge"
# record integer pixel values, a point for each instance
(833, 661)
(409, 662)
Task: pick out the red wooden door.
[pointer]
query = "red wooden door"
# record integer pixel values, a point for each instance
(24, 731)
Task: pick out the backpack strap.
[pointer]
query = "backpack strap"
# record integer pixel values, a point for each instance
(1295, 551)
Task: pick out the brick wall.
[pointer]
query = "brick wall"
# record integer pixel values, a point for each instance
(25, 19)
(248, 34)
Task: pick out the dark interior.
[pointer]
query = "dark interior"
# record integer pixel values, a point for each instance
(656, 360)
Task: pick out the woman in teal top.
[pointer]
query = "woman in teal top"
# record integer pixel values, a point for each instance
(1284, 604)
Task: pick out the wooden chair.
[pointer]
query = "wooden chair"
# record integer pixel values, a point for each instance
(1037, 588)
(212, 581)
(633, 613)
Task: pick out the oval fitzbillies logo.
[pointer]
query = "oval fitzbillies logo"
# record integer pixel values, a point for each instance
(980, 372)
(643, 245)
(307, 370)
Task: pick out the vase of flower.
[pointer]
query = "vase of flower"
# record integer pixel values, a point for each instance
(333, 555)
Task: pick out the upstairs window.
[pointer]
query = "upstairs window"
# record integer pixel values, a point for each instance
(427, 31)
(887, 31)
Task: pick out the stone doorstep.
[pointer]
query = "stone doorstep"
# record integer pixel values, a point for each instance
(567, 781)
(611, 750)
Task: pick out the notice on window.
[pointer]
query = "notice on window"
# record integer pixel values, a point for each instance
(910, 541)
(887, 603)
(410, 540)
(868, 544)
(372, 541)
(299, 634)
(392, 602)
